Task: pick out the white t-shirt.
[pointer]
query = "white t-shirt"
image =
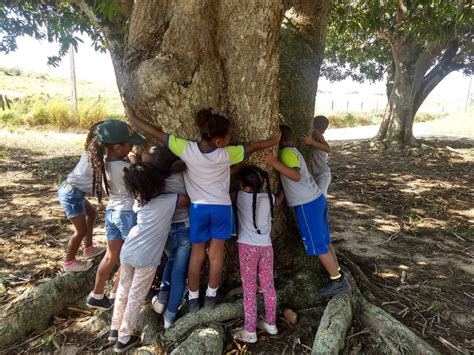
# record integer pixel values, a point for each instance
(263, 218)
(81, 177)
(119, 198)
(175, 184)
(207, 174)
(146, 241)
(297, 192)
(319, 162)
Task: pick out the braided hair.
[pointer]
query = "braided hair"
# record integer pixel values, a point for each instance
(92, 133)
(254, 177)
(96, 152)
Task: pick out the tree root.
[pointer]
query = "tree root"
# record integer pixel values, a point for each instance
(221, 313)
(203, 340)
(33, 310)
(337, 318)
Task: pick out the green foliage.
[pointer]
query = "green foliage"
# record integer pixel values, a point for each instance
(350, 119)
(52, 20)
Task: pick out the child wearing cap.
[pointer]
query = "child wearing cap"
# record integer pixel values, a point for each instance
(108, 153)
(72, 197)
(303, 194)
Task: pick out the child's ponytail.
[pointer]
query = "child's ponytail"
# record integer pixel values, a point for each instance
(96, 153)
(269, 191)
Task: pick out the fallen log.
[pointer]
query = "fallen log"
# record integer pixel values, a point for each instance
(221, 313)
(33, 310)
(204, 340)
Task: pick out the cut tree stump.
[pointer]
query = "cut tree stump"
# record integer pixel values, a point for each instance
(204, 340)
(33, 310)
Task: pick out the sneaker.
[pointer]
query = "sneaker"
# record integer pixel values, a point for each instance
(92, 251)
(157, 306)
(77, 266)
(193, 305)
(112, 300)
(167, 324)
(245, 336)
(270, 329)
(334, 288)
(103, 303)
(113, 335)
(210, 302)
(121, 347)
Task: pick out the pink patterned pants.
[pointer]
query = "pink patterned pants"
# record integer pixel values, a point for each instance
(257, 260)
(133, 288)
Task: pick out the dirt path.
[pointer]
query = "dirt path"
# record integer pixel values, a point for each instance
(406, 221)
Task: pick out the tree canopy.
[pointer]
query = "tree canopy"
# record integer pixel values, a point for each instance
(361, 34)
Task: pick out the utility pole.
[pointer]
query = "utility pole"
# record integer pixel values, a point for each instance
(73, 86)
(468, 98)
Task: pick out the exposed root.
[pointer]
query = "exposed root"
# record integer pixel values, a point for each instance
(204, 340)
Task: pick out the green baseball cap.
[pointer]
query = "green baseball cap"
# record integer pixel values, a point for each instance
(115, 132)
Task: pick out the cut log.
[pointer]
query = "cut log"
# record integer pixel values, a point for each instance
(221, 313)
(337, 318)
(32, 311)
(204, 340)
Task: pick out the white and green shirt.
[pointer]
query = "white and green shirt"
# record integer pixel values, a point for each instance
(207, 176)
(297, 192)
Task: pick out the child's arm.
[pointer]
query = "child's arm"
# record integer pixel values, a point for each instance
(320, 144)
(144, 126)
(290, 173)
(183, 201)
(261, 145)
(280, 198)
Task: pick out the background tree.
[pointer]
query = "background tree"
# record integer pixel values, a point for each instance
(416, 43)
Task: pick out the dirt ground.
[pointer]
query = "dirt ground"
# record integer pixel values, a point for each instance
(405, 220)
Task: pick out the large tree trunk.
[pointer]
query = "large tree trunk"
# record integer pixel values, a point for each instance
(303, 38)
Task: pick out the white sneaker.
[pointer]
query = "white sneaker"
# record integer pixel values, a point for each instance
(270, 329)
(167, 324)
(157, 306)
(78, 266)
(245, 336)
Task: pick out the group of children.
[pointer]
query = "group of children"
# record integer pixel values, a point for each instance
(176, 199)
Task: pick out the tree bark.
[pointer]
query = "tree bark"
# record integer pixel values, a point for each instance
(303, 38)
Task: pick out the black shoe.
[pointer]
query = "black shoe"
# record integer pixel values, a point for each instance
(193, 305)
(210, 302)
(121, 347)
(113, 335)
(104, 303)
(335, 287)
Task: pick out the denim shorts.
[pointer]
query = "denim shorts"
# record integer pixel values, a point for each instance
(72, 200)
(119, 223)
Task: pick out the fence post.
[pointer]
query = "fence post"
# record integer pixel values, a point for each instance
(332, 105)
(7, 102)
(1, 102)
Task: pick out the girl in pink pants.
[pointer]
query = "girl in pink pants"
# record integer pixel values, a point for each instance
(254, 220)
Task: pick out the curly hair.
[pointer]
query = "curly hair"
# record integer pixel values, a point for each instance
(254, 177)
(96, 152)
(92, 133)
(212, 125)
(143, 182)
(163, 160)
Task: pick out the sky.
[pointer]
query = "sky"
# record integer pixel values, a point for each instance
(90, 65)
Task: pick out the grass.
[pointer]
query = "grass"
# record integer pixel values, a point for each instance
(40, 100)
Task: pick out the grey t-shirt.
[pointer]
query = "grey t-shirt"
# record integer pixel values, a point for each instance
(263, 218)
(175, 184)
(81, 176)
(119, 198)
(146, 240)
(319, 162)
(298, 192)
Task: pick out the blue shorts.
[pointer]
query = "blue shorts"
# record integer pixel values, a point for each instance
(313, 222)
(209, 222)
(118, 224)
(72, 200)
